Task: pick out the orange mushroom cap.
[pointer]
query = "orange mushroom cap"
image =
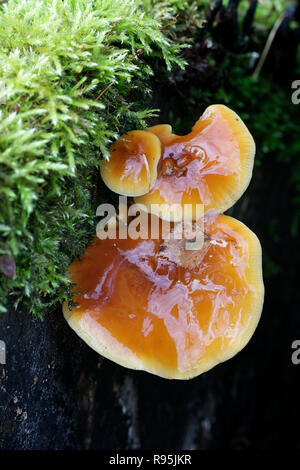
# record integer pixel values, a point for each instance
(132, 167)
(142, 310)
(212, 165)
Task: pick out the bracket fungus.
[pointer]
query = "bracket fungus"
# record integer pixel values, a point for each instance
(144, 311)
(158, 303)
(212, 165)
(132, 167)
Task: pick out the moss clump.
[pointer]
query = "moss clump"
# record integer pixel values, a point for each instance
(73, 74)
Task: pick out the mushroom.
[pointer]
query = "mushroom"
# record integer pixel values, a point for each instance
(212, 165)
(132, 166)
(143, 310)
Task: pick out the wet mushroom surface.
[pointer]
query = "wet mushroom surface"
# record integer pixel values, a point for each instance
(132, 166)
(139, 308)
(212, 165)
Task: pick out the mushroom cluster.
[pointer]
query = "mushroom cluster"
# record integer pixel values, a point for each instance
(153, 303)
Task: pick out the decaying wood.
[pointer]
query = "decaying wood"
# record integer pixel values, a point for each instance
(186, 245)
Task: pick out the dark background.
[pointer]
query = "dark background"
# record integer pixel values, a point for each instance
(56, 393)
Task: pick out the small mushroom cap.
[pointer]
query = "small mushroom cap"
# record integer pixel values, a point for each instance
(132, 167)
(212, 165)
(143, 311)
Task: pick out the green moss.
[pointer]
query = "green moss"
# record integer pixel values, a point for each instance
(56, 122)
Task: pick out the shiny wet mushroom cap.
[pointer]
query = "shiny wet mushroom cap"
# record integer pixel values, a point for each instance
(212, 165)
(141, 309)
(132, 166)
